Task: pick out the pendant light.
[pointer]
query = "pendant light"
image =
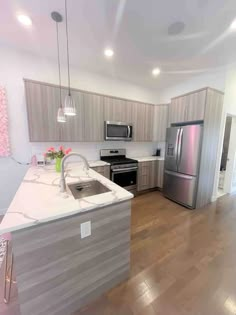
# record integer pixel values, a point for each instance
(69, 106)
(60, 114)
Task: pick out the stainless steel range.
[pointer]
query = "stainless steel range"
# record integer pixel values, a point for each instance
(123, 169)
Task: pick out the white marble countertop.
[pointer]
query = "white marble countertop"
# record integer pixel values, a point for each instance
(148, 158)
(38, 199)
(97, 163)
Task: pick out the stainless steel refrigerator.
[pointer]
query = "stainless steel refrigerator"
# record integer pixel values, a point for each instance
(182, 157)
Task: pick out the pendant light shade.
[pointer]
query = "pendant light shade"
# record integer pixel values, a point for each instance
(60, 113)
(69, 106)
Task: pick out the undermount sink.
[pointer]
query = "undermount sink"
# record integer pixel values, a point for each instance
(86, 189)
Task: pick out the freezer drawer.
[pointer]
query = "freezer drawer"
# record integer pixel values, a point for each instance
(180, 188)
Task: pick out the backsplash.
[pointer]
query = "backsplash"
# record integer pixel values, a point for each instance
(91, 150)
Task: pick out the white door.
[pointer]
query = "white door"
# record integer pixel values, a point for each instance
(230, 174)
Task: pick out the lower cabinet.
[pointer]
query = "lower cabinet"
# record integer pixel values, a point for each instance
(103, 170)
(150, 174)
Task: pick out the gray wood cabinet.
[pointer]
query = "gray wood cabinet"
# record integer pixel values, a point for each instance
(150, 174)
(160, 122)
(116, 109)
(160, 174)
(103, 170)
(73, 129)
(143, 115)
(42, 106)
(93, 117)
(92, 110)
(188, 107)
(177, 110)
(195, 106)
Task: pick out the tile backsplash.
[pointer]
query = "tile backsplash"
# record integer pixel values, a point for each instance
(91, 150)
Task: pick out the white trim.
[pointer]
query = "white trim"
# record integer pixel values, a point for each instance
(3, 211)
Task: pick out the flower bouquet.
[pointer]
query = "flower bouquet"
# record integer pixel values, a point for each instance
(52, 154)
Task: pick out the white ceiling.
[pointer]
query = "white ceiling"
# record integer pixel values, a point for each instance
(136, 29)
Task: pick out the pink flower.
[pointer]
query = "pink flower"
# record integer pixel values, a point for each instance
(52, 149)
(61, 148)
(45, 154)
(68, 150)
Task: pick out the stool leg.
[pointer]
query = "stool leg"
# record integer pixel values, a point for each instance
(7, 295)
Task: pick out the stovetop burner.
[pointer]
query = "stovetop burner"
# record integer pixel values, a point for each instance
(118, 160)
(116, 157)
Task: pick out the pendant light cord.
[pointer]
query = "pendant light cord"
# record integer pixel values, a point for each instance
(59, 64)
(67, 44)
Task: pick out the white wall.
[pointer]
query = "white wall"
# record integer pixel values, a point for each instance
(214, 79)
(228, 109)
(14, 66)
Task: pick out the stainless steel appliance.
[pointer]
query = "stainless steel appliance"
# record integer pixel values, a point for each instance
(123, 169)
(115, 130)
(183, 150)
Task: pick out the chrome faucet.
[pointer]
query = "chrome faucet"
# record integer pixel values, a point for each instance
(63, 181)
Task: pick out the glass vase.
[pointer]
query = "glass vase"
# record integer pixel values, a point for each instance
(58, 164)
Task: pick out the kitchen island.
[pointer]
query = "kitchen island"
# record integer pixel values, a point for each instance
(57, 271)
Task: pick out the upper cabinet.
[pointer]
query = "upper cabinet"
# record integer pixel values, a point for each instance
(42, 106)
(195, 105)
(93, 117)
(116, 109)
(92, 110)
(177, 110)
(73, 129)
(142, 121)
(188, 107)
(160, 122)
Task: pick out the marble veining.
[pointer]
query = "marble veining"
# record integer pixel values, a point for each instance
(39, 200)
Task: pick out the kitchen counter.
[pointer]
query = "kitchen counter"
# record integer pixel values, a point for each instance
(39, 200)
(149, 158)
(67, 252)
(97, 163)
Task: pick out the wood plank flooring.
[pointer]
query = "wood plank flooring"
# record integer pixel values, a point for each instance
(183, 262)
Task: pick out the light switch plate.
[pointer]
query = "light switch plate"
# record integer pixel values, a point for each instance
(85, 229)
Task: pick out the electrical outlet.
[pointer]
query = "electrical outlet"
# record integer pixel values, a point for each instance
(85, 229)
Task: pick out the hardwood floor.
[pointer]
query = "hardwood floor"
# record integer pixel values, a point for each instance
(182, 261)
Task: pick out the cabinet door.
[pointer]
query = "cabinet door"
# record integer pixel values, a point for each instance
(73, 129)
(143, 175)
(160, 122)
(196, 106)
(153, 172)
(143, 116)
(160, 174)
(42, 105)
(117, 110)
(93, 117)
(177, 110)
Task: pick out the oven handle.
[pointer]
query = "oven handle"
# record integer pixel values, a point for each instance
(125, 169)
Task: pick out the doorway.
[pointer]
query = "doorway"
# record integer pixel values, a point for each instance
(227, 178)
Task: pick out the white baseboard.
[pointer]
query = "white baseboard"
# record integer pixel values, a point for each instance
(3, 211)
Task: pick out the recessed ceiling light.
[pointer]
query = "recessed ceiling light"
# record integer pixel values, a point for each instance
(156, 72)
(108, 52)
(24, 19)
(233, 25)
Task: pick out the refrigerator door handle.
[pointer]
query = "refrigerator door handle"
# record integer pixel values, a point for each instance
(179, 175)
(180, 147)
(177, 147)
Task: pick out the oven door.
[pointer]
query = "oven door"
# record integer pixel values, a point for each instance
(126, 178)
(118, 131)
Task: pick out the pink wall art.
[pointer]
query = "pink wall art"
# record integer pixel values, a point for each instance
(4, 130)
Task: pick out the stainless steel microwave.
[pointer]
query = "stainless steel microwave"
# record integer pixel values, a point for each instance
(116, 130)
